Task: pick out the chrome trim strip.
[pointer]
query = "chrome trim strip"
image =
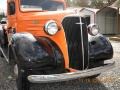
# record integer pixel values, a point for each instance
(83, 52)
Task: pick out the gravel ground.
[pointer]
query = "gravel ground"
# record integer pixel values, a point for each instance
(109, 80)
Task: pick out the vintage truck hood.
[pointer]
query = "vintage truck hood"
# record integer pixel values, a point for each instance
(43, 15)
(34, 21)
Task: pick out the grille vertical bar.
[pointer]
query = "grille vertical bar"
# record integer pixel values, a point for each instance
(77, 41)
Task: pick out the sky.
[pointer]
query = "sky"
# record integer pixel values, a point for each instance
(3, 5)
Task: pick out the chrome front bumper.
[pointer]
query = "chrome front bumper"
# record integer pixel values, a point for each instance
(71, 75)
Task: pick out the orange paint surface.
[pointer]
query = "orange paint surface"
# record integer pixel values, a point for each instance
(34, 22)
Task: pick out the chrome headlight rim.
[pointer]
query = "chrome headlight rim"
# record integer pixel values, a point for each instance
(93, 29)
(51, 27)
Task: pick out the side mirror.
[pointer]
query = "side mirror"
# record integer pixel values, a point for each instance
(11, 8)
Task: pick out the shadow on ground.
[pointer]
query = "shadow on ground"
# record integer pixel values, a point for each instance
(7, 82)
(79, 84)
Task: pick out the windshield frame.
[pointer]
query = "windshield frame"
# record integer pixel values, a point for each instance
(61, 1)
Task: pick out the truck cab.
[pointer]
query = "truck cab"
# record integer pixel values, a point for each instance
(47, 43)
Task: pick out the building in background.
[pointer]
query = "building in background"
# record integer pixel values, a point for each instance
(106, 18)
(90, 14)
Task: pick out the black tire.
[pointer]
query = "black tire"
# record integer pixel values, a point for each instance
(22, 81)
(1, 37)
(1, 41)
(11, 56)
(1, 55)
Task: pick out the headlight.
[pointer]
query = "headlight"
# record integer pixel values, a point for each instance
(93, 29)
(51, 27)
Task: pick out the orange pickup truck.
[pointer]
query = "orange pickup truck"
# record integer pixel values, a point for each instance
(48, 43)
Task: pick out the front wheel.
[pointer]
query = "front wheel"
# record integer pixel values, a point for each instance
(21, 78)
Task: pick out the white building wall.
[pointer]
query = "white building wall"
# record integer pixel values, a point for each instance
(106, 19)
(89, 13)
(107, 22)
(100, 20)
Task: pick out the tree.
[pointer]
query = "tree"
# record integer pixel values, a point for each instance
(90, 3)
(116, 4)
(81, 3)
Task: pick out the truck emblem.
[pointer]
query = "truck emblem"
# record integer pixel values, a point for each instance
(80, 23)
(35, 22)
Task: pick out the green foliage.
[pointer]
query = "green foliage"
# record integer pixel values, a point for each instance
(118, 3)
(101, 3)
(78, 3)
(90, 3)
(2, 15)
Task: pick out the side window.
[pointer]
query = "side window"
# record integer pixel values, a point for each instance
(11, 8)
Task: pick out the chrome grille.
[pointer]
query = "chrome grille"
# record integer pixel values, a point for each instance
(77, 41)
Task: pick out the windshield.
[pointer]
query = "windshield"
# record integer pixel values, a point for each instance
(47, 5)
